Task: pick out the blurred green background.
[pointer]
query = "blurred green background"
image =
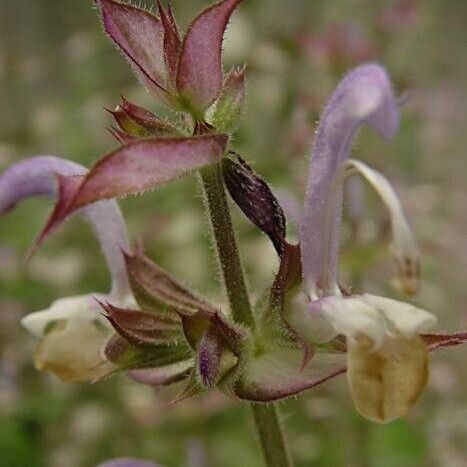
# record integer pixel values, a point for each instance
(58, 71)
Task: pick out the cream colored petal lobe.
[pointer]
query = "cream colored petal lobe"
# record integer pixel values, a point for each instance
(405, 318)
(72, 350)
(386, 383)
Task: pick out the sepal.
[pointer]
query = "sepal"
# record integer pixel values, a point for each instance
(140, 122)
(158, 292)
(127, 356)
(143, 329)
(225, 113)
(277, 373)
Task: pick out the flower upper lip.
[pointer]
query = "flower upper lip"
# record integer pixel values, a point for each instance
(350, 106)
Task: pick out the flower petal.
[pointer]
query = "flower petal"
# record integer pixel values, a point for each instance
(78, 308)
(199, 76)
(35, 177)
(363, 96)
(352, 317)
(72, 350)
(404, 246)
(402, 317)
(385, 384)
(139, 34)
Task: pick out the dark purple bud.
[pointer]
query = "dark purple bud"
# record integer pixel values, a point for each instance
(254, 197)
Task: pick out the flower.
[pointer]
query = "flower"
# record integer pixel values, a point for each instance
(72, 331)
(386, 355)
(72, 335)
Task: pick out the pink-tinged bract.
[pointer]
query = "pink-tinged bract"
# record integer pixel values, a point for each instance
(139, 34)
(172, 44)
(134, 168)
(200, 75)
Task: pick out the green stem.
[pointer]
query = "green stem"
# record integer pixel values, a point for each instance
(268, 426)
(271, 437)
(226, 245)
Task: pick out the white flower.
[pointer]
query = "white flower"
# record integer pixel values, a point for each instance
(387, 359)
(73, 333)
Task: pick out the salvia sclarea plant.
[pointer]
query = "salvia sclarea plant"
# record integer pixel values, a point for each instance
(306, 327)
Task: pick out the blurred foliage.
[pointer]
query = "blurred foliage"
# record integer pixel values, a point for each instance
(58, 71)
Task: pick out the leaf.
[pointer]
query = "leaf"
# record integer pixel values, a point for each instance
(139, 34)
(254, 197)
(199, 76)
(134, 168)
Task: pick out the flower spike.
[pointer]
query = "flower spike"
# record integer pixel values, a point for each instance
(364, 96)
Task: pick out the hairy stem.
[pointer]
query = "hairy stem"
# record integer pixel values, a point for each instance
(268, 426)
(226, 245)
(271, 437)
